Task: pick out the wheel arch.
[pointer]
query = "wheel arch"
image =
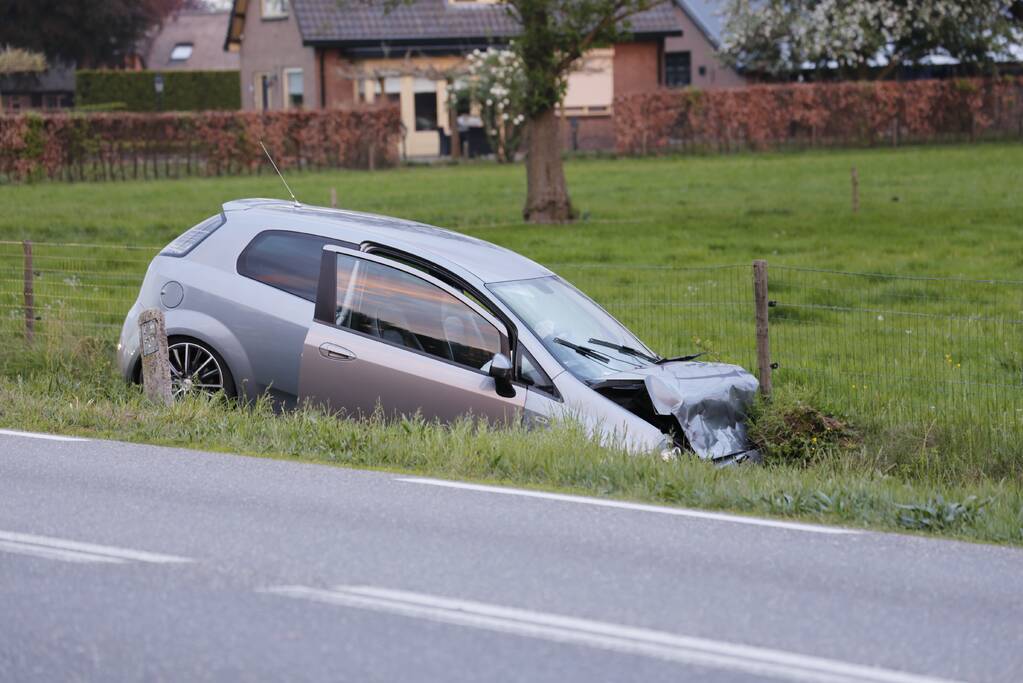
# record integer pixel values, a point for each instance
(209, 331)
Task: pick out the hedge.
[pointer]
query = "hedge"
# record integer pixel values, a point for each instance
(182, 90)
(120, 146)
(821, 114)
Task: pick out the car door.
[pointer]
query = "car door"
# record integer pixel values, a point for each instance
(386, 334)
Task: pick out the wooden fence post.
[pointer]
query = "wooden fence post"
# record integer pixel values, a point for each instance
(156, 375)
(333, 197)
(855, 178)
(30, 297)
(763, 336)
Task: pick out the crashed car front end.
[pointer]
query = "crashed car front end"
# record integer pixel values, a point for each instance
(704, 404)
(702, 407)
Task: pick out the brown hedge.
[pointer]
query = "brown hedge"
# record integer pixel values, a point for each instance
(823, 114)
(118, 146)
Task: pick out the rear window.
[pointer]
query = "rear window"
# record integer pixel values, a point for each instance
(289, 261)
(191, 238)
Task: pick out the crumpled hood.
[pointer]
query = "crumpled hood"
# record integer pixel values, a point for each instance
(709, 400)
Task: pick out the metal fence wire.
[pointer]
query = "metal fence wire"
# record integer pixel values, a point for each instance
(75, 290)
(896, 350)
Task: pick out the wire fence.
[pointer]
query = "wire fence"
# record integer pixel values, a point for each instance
(68, 291)
(940, 355)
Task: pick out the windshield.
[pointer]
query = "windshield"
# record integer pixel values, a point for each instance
(566, 320)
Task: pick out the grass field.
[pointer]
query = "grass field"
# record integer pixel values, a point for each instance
(952, 211)
(923, 375)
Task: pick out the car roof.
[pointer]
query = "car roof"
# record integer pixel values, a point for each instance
(449, 249)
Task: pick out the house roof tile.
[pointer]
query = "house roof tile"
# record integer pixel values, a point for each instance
(329, 22)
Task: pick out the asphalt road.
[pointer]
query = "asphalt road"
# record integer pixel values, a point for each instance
(123, 562)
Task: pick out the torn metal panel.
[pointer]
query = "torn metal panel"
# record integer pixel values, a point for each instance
(709, 401)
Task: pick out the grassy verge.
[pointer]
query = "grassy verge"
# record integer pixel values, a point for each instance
(820, 472)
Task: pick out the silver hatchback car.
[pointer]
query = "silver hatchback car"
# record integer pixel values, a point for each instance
(362, 312)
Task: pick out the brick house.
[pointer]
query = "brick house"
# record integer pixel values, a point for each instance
(691, 58)
(321, 53)
(189, 40)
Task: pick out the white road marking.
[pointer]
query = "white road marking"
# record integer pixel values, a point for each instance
(58, 548)
(54, 553)
(35, 435)
(703, 652)
(639, 507)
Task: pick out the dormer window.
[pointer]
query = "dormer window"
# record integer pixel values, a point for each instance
(275, 9)
(181, 52)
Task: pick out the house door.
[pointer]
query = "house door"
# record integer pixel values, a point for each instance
(262, 91)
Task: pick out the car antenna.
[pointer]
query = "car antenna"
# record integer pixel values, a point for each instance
(279, 174)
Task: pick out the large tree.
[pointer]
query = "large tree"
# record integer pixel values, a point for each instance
(88, 33)
(854, 37)
(555, 34)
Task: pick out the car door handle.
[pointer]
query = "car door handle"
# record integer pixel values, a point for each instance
(335, 352)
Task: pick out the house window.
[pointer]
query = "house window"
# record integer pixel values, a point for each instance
(275, 9)
(678, 70)
(426, 104)
(296, 93)
(181, 52)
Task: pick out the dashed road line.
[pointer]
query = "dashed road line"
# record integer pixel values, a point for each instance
(77, 551)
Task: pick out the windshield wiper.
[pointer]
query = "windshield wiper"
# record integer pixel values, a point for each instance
(681, 359)
(626, 349)
(583, 350)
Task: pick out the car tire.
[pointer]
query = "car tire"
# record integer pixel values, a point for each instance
(196, 366)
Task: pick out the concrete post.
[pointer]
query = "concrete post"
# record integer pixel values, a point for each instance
(156, 374)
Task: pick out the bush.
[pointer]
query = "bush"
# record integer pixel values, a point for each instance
(182, 90)
(790, 430)
(111, 146)
(819, 114)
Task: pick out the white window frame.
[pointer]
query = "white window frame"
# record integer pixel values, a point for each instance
(286, 89)
(190, 47)
(274, 9)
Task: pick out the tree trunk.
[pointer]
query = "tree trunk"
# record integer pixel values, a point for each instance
(546, 192)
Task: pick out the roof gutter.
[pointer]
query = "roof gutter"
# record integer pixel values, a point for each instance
(452, 43)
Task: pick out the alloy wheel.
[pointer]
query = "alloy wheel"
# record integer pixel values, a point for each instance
(194, 369)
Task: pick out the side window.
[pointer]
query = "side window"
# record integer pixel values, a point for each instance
(289, 261)
(531, 374)
(405, 310)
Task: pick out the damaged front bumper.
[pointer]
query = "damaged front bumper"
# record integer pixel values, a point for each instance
(707, 402)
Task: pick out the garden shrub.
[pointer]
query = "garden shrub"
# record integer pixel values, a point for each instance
(182, 90)
(122, 145)
(819, 114)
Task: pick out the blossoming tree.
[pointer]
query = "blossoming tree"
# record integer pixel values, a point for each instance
(781, 37)
(496, 84)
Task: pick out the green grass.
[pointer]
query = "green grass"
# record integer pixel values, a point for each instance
(952, 211)
(926, 373)
(562, 458)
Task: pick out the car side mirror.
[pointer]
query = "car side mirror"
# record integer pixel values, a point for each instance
(502, 371)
